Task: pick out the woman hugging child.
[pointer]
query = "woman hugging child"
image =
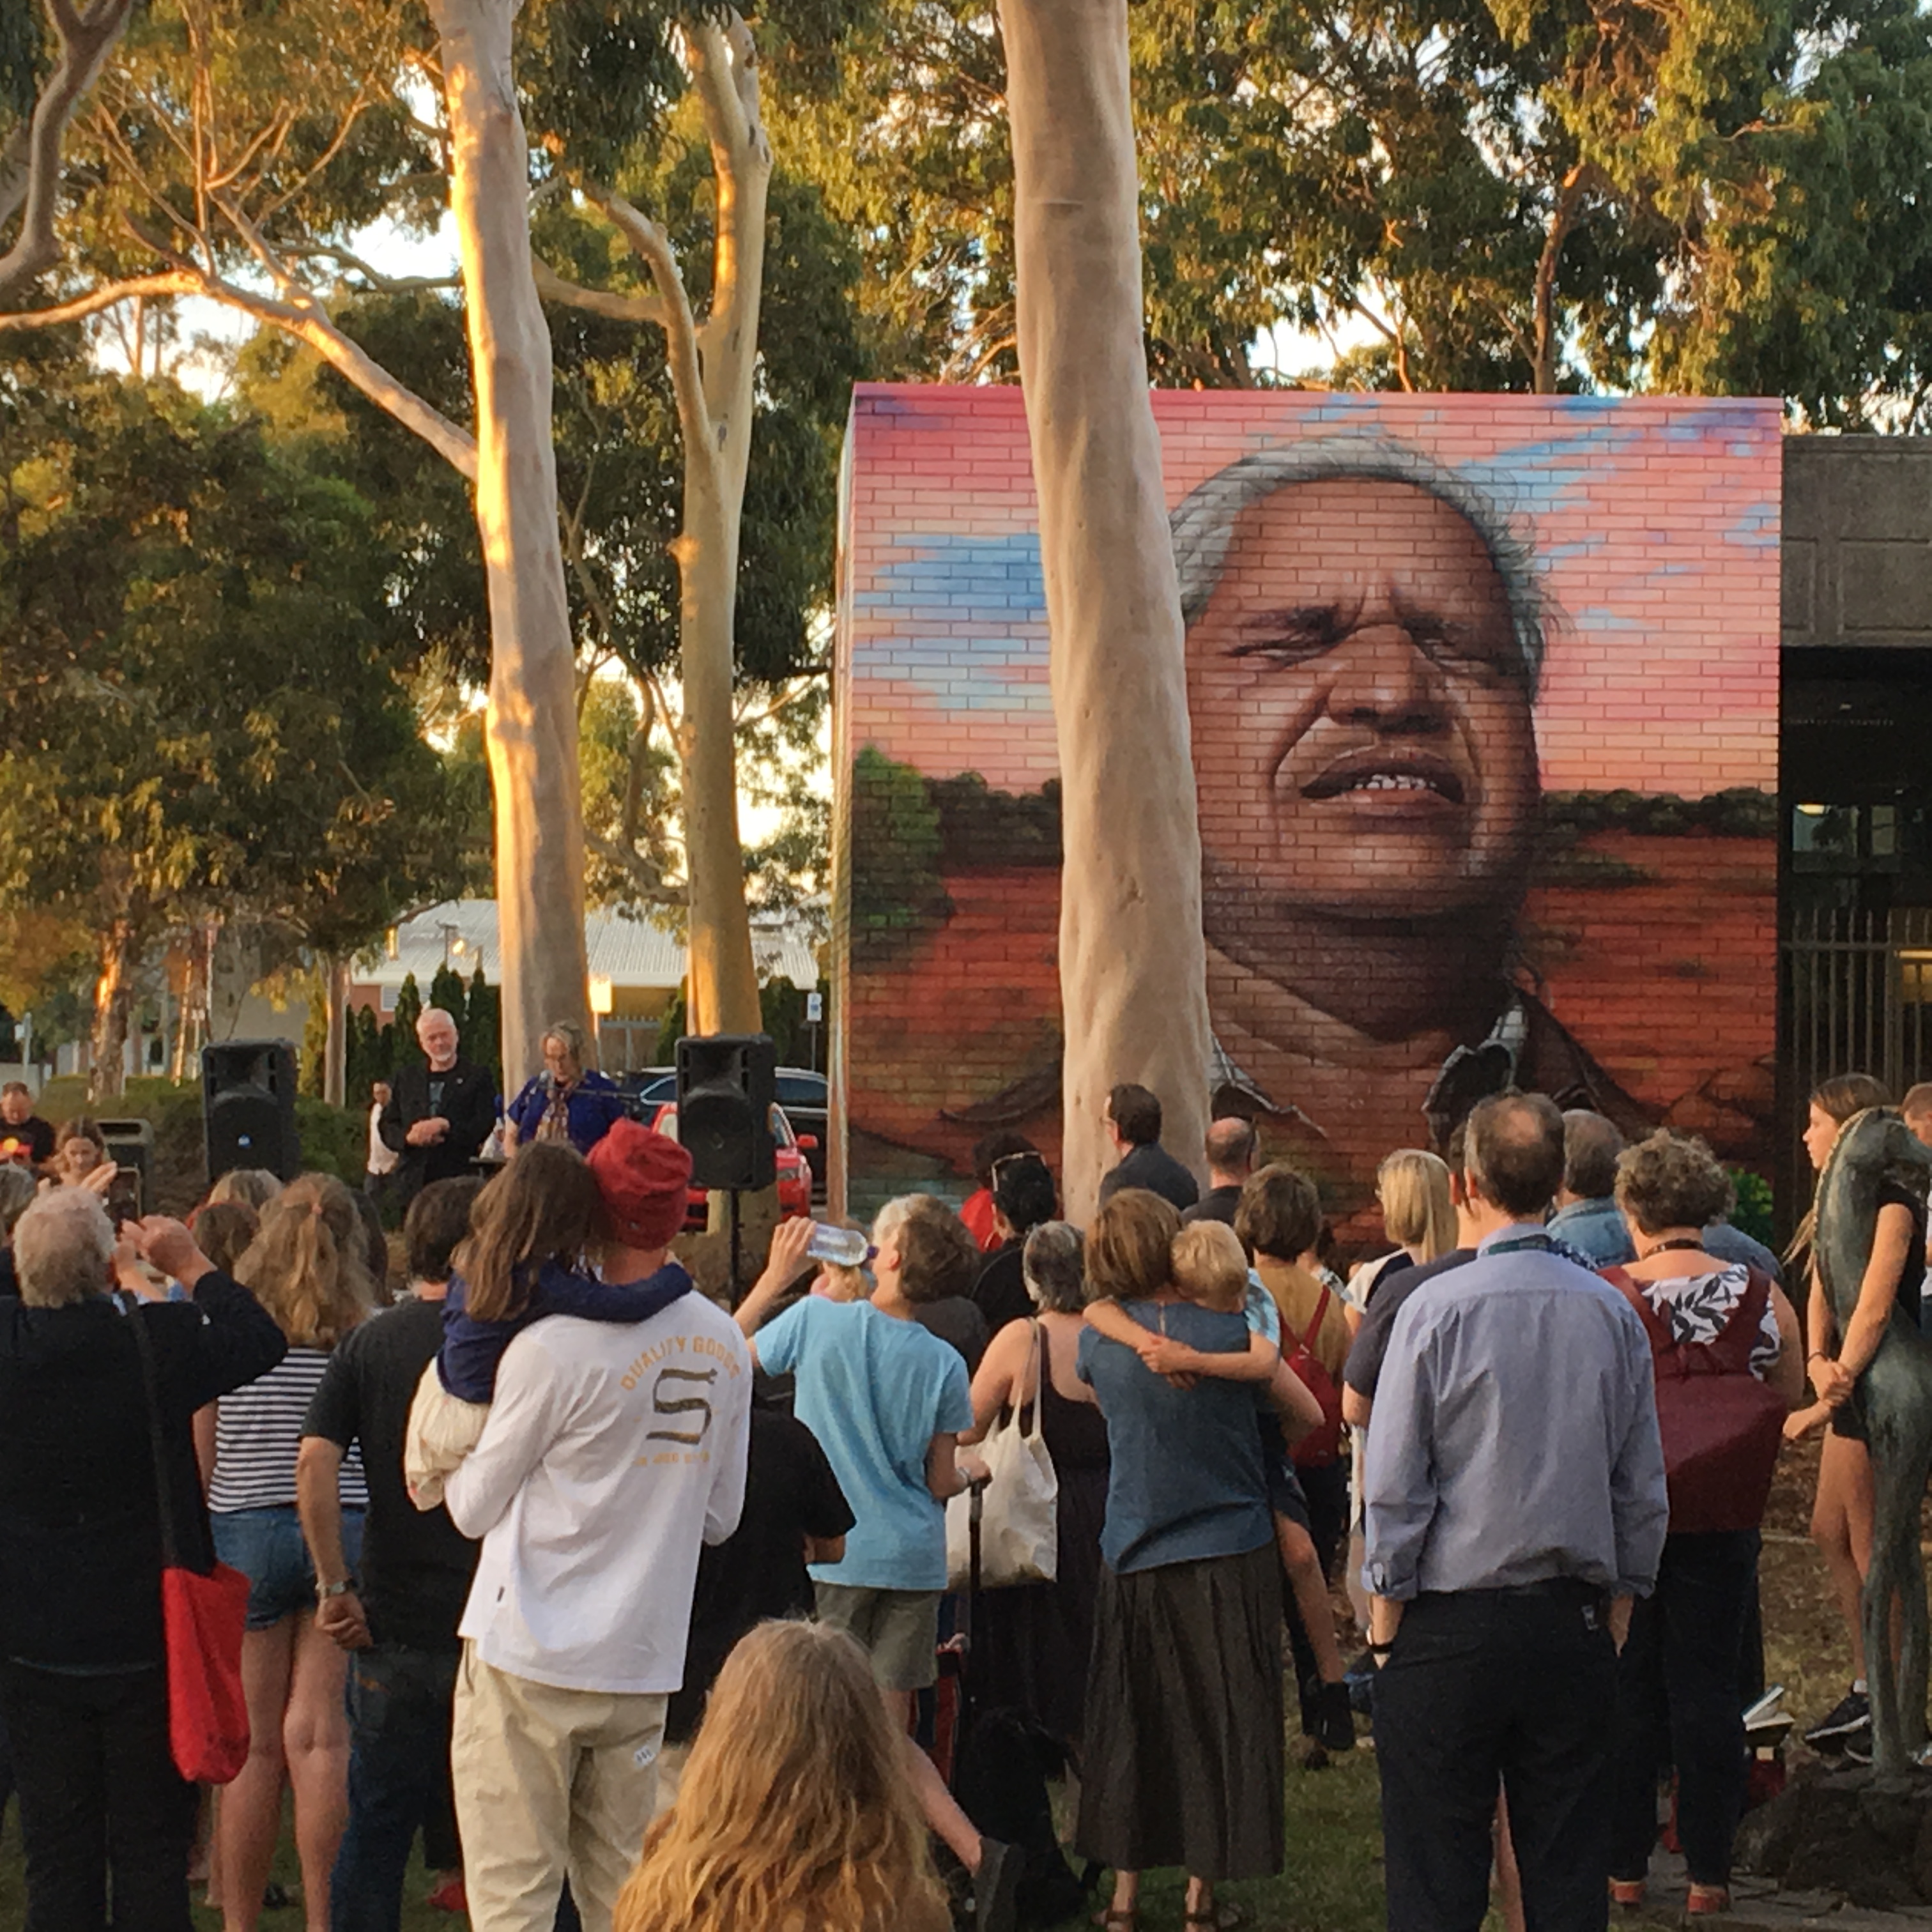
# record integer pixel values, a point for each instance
(523, 1259)
(1210, 1269)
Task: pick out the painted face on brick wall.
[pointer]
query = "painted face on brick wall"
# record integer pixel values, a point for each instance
(1363, 743)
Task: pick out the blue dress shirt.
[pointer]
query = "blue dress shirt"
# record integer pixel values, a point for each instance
(1514, 1438)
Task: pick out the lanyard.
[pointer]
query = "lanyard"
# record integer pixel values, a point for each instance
(1521, 1244)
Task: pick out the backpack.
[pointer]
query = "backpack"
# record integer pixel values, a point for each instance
(1721, 1427)
(1322, 1444)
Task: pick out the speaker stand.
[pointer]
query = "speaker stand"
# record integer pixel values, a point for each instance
(737, 1280)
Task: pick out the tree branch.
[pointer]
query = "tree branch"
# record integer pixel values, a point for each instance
(552, 287)
(724, 62)
(301, 317)
(643, 875)
(86, 41)
(687, 372)
(387, 285)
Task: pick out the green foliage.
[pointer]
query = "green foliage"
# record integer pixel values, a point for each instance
(483, 1026)
(334, 1140)
(1723, 199)
(1753, 1214)
(200, 707)
(671, 1029)
(897, 893)
(312, 1056)
(366, 1055)
(404, 1050)
(446, 991)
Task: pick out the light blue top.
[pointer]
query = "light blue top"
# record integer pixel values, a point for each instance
(1515, 1432)
(1184, 1479)
(1596, 1230)
(1260, 1313)
(875, 1391)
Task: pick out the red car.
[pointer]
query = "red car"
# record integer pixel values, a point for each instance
(794, 1170)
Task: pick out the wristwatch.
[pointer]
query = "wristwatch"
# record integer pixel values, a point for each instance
(323, 1592)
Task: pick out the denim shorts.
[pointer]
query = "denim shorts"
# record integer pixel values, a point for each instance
(266, 1545)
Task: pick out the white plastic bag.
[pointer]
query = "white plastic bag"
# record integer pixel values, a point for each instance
(1019, 1536)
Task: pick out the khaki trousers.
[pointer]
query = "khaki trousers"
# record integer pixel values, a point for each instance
(549, 1781)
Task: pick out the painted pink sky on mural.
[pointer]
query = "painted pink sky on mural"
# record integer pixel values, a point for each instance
(1653, 521)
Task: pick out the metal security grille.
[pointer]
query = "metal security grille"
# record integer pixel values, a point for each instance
(1857, 994)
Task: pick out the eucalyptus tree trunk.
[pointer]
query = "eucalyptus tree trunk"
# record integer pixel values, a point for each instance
(713, 365)
(531, 729)
(335, 1041)
(116, 956)
(1133, 967)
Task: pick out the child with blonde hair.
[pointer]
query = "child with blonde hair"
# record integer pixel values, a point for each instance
(794, 1814)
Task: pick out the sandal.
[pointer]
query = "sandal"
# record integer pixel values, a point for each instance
(1216, 1919)
(1110, 1921)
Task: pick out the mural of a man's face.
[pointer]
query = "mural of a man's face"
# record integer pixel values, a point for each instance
(1363, 745)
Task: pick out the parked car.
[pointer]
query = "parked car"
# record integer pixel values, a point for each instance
(794, 1172)
(806, 1098)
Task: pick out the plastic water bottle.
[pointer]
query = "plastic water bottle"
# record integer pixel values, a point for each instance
(842, 1247)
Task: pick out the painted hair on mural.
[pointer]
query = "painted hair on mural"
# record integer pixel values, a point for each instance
(1203, 522)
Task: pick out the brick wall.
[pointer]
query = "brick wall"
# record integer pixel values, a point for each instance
(1616, 935)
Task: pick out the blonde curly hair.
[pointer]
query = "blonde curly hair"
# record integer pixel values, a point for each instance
(794, 1814)
(306, 1265)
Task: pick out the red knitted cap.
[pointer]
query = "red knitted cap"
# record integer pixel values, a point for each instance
(645, 1180)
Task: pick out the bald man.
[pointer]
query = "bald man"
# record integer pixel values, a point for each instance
(1232, 1147)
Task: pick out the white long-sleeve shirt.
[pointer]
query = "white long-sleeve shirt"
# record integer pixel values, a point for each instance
(612, 1452)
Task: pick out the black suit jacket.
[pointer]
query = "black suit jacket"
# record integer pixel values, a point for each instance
(1153, 1168)
(469, 1106)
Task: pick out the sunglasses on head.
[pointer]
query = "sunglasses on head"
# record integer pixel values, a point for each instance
(1006, 1160)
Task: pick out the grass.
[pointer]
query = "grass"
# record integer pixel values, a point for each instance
(1332, 1882)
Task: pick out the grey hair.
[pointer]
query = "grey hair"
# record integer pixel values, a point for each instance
(17, 1189)
(435, 1013)
(1203, 523)
(61, 1246)
(569, 1036)
(1052, 1264)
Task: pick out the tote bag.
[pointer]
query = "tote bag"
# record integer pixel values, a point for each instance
(203, 1615)
(1019, 1531)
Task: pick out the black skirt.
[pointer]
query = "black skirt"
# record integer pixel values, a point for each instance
(1184, 1758)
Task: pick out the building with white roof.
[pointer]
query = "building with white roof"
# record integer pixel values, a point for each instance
(636, 966)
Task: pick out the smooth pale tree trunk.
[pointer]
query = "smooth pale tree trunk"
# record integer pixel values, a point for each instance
(1132, 968)
(532, 724)
(115, 957)
(724, 976)
(335, 1043)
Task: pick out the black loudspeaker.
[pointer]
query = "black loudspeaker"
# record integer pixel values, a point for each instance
(726, 1085)
(248, 1107)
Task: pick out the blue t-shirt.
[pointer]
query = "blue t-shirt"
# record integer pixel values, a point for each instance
(875, 1391)
(1185, 1480)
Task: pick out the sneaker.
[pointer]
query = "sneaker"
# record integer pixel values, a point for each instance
(996, 1887)
(1853, 1714)
(1336, 1727)
(1857, 1745)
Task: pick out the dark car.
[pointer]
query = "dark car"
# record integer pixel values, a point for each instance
(806, 1098)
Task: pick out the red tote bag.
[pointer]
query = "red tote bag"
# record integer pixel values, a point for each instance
(203, 1615)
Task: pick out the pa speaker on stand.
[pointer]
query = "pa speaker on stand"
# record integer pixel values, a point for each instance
(727, 1084)
(248, 1107)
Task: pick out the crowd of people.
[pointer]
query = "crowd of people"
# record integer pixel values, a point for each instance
(634, 1609)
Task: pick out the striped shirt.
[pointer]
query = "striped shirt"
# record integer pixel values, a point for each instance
(258, 1431)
